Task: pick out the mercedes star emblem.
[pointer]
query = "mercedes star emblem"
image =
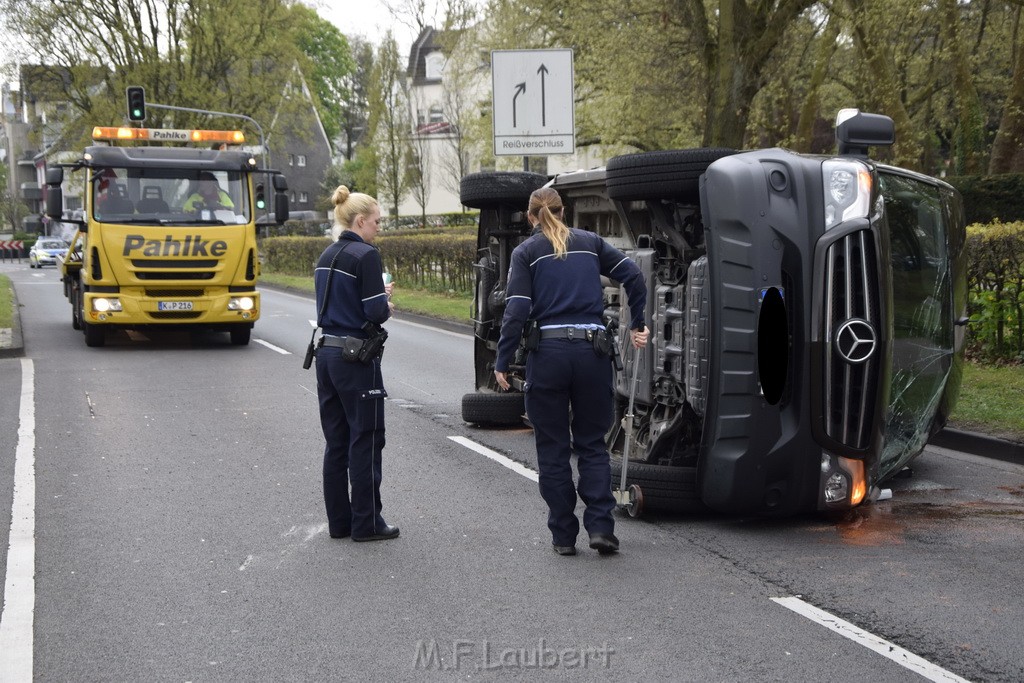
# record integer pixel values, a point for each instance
(855, 340)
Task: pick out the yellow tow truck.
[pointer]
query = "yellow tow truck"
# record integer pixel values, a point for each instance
(168, 233)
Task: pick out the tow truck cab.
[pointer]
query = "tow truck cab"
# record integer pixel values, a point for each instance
(156, 246)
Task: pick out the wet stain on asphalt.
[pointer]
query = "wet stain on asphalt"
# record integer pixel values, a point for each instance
(890, 522)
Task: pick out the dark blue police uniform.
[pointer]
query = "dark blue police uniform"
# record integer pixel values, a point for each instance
(351, 394)
(565, 371)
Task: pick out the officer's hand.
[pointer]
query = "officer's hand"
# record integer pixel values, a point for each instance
(502, 378)
(389, 288)
(391, 307)
(639, 337)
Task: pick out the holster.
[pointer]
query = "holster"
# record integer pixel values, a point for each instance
(604, 344)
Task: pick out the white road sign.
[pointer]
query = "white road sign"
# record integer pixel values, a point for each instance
(533, 107)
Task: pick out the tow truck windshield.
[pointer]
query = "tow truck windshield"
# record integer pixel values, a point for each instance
(169, 196)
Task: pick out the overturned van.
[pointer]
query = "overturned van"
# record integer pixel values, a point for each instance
(807, 316)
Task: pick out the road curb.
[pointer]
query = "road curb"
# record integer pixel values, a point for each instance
(13, 345)
(979, 444)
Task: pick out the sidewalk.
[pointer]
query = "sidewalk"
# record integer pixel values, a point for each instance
(11, 343)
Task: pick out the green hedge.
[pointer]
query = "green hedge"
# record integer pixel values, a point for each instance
(418, 259)
(991, 197)
(995, 257)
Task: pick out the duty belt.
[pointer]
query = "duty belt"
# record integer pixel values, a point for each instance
(569, 333)
(332, 341)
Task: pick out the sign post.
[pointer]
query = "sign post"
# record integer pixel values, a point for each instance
(532, 102)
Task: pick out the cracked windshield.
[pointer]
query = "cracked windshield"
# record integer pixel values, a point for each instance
(922, 334)
(169, 196)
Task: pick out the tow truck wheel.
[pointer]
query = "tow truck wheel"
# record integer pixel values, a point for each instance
(240, 335)
(95, 335)
(493, 410)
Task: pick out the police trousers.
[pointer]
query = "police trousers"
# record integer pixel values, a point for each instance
(565, 375)
(352, 417)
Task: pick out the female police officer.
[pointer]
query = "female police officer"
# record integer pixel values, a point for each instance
(349, 293)
(555, 279)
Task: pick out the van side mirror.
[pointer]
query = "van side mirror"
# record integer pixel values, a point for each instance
(855, 132)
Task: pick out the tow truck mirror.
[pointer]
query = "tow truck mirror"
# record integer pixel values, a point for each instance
(855, 132)
(54, 194)
(280, 183)
(281, 208)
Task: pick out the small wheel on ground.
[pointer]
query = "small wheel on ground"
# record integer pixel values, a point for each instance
(636, 501)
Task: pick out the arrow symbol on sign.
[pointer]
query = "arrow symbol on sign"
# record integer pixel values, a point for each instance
(543, 70)
(520, 89)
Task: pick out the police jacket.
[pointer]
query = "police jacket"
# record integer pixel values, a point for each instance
(566, 291)
(357, 289)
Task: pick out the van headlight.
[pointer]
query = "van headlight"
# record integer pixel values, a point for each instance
(104, 305)
(843, 480)
(241, 303)
(847, 189)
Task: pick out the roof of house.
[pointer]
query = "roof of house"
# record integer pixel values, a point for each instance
(425, 43)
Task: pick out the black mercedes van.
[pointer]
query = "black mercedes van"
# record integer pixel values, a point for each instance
(807, 316)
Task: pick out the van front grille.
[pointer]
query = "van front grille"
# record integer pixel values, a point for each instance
(852, 338)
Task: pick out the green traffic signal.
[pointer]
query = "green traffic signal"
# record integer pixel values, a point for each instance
(136, 103)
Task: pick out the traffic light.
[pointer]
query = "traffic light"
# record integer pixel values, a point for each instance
(136, 103)
(261, 198)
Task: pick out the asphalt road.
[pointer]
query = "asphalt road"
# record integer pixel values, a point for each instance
(179, 535)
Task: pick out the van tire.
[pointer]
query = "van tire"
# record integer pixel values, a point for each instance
(496, 188)
(665, 489)
(497, 410)
(671, 174)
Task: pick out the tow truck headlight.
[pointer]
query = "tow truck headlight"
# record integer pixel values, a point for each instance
(103, 305)
(241, 303)
(847, 190)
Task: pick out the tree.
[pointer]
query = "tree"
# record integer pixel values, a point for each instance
(389, 125)
(1008, 147)
(329, 67)
(223, 55)
(12, 210)
(355, 105)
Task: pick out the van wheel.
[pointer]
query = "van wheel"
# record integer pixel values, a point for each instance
(498, 410)
(665, 489)
(490, 189)
(671, 174)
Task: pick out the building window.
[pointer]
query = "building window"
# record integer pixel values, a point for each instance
(436, 114)
(291, 159)
(434, 65)
(292, 198)
(300, 160)
(303, 197)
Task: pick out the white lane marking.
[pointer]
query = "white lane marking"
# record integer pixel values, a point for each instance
(272, 347)
(461, 335)
(312, 323)
(496, 457)
(17, 617)
(883, 647)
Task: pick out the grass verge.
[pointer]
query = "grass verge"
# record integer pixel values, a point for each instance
(991, 401)
(6, 302)
(421, 302)
(991, 397)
